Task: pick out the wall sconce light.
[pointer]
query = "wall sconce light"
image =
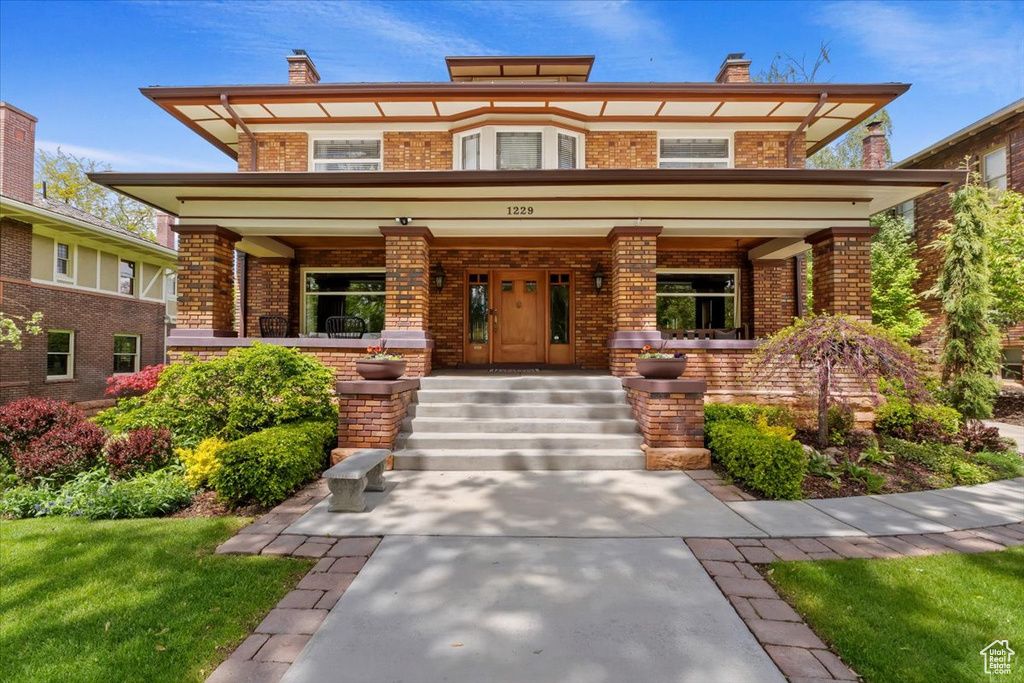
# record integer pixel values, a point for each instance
(598, 278)
(438, 276)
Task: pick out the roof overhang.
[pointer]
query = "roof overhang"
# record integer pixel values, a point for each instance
(65, 225)
(994, 119)
(763, 203)
(520, 68)
(824, 111)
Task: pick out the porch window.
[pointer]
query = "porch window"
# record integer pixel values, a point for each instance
(994, 168)
(360, 154)
(471, 152)
(126, 278)
(696, 300)
(126, 353)
(330, 293)
(693, 153)
(1012, 364)
(519, 151)
(60, 354)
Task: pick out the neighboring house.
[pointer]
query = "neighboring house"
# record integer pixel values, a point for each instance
(522, 214)
(104, 291)
(994, 146)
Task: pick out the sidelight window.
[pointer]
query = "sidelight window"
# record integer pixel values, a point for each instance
(558, 293)
(479, 304)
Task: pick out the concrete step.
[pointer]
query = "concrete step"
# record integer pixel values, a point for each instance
(519, 459)
(504, 397)
(504, 425)
(512, 442)
(513, 411)
(545, 382)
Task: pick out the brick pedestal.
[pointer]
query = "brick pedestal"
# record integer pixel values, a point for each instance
(206, 280)
(671, 418)
(842, 271)
(370, 414)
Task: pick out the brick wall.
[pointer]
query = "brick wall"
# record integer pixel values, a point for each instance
(17, 153)
(275, 152)
(206, 278)
(622, 149)
(774, 295)
(418, 151)
(15, 249)
(842, 272)
(767, 149)
(268, 283)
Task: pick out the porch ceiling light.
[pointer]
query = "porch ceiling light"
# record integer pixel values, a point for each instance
(438, 275)
(598, 278)
(403, 220)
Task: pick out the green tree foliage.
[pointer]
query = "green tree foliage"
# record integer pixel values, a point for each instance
(66, 180)
(13, 327)
(894, 271)
(970, 354)
(848, 152)
(1007, 259)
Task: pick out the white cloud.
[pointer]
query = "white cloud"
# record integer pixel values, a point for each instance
(965, 47)
(128, 161)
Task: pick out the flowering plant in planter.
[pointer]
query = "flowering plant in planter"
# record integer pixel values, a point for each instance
(656, 364)
(379, 363)
(381, 353)
(647, 351)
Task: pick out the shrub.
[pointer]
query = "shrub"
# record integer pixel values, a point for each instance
(45, 438)
(840, 424)
(1005, 465)
(267, 466)
(773, 416)
(949, 461)
(96, 495)
(137, 451)
(916, 421)
(766, 463)
(202, 461)
(250, 389)
(141, 382)
(975, 437)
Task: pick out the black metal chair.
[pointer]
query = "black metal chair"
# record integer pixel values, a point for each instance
(345, 327)
(274, 326)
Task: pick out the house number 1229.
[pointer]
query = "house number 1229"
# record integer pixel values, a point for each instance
(519, 211)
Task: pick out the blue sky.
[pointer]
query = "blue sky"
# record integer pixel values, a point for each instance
(78, 65)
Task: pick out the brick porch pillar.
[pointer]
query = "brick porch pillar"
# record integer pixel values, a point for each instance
(206, 279)
(268, 292)
(774, 295)
(842, 271)
(407, 288)
(634, 289)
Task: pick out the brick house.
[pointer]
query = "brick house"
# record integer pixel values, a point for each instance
(994, 146)
(522, 214)
(102, 290)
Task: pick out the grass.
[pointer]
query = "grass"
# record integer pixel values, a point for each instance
(135, 599)
(914, 619)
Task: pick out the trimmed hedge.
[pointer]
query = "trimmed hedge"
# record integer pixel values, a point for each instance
(767, 463)
(750, 413)
(266, 467)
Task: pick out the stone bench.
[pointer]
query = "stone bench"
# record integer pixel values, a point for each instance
(363, 471)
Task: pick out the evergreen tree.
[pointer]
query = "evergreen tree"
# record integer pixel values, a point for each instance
(970, 354)
(1007, 260)
(894, 303)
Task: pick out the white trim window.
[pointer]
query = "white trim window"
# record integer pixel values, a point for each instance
(518, 148)
(905, 210)
(697, 299)
(126, 277)
(60, 354)
(568, 154)
(331, 292)
(694, 152)
(64, 262)
(126, 353)
(519, 151)
(993, 168)
(470, 145)
(347, 154)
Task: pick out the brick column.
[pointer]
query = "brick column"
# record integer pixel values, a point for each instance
(842, 271)
(206, 281)
(407, 258)
(268, 291)
(634, 288)
(774, 295)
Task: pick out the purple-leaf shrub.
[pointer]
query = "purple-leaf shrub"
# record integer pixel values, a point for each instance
(141, 450)
(46, 438)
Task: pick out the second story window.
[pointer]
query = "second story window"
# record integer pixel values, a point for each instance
(993, 167)
(354, 154)
(519, 151)
(694, 153)
(566, 151)
(126, 278)
(64, 261)
(906, 212)
(471, 152)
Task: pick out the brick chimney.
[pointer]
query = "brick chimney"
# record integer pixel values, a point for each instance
(17, 153)
(734, 69)
(873, 152)
(301, 70)
(164, 233)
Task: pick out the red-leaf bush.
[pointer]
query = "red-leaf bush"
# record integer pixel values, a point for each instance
(141, 450)
(46, 438)
(135, 384)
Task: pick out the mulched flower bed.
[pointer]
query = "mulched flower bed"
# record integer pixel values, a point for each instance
(1009, 408)
(205, 504)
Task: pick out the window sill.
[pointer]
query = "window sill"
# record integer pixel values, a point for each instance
(60, 380)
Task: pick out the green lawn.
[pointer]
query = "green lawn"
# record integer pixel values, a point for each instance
(138, 600)
(915, 619)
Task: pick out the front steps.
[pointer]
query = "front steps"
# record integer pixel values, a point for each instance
(534, 422)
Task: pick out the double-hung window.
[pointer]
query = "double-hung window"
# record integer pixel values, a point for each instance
(471, 152)
(126, 278)
(332, 293)
(64, 262)
(694, 153)
(697, 300)
(60, 354)
(567, 151)
(350, 154)
(519, 151)
(126, 353)
(993, 166)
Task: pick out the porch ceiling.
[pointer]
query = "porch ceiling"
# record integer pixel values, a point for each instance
(686, 203)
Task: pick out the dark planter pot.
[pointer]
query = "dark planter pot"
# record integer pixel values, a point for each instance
(661, 368)
(371, 368)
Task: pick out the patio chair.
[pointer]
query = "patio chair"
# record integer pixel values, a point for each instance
(345, 327)
(273, 326)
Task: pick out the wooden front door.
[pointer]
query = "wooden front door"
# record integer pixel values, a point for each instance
(519, 298)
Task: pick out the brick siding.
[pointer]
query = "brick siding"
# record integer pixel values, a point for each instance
(418, 151)
(275, 152)
(774, 295)
(767, 149)
(268, 284)
(622, 149)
